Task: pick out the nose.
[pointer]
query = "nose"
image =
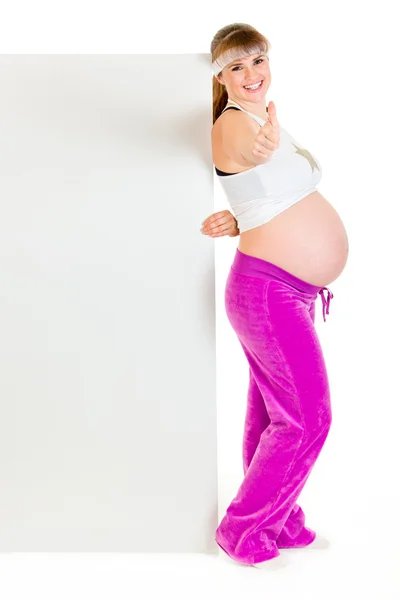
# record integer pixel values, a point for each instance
(253, 75)
(252, 78)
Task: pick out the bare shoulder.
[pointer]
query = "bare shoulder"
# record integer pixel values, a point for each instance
(232, 134)
(235, 120)
(233, 125)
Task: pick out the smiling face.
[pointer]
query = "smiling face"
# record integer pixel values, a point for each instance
(244, 72)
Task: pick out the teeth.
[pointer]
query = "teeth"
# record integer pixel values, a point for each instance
(252, 87)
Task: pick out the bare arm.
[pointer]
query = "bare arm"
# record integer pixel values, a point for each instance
(238, 135)
(245, 142)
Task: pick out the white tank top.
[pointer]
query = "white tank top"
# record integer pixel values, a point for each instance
(259, 194)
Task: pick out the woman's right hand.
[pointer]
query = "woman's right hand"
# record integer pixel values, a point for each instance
(268, 137)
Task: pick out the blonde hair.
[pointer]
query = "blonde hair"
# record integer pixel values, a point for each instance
(238, 36)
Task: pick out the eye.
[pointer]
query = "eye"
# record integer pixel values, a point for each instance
(255, 62)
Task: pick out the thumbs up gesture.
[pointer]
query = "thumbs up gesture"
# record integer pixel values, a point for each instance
(268, 137)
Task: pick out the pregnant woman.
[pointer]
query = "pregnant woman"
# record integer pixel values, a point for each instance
(292, 245)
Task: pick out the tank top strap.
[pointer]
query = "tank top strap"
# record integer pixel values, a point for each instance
(255, 117)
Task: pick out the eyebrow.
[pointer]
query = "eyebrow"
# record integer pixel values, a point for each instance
(241, 62)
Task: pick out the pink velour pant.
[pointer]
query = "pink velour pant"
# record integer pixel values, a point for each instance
(288, 413)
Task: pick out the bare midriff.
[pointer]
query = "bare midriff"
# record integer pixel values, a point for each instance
(307, 239)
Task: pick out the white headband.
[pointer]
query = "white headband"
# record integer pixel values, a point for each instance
(228, 57)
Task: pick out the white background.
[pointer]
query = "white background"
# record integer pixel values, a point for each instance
(334, 69)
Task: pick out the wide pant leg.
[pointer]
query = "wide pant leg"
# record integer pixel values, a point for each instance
(274, 325)
(294, 533)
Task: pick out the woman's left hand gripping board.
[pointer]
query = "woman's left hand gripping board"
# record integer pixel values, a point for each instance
(220, 224)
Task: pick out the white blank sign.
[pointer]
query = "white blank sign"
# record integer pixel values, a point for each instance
(107, 332)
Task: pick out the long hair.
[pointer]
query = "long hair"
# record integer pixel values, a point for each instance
(238, 36)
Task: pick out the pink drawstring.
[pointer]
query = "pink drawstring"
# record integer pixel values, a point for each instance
(325, 301)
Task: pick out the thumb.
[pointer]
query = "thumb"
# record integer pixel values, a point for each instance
(272, 113)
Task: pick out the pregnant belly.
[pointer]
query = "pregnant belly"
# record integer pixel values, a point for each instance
(307, 239)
